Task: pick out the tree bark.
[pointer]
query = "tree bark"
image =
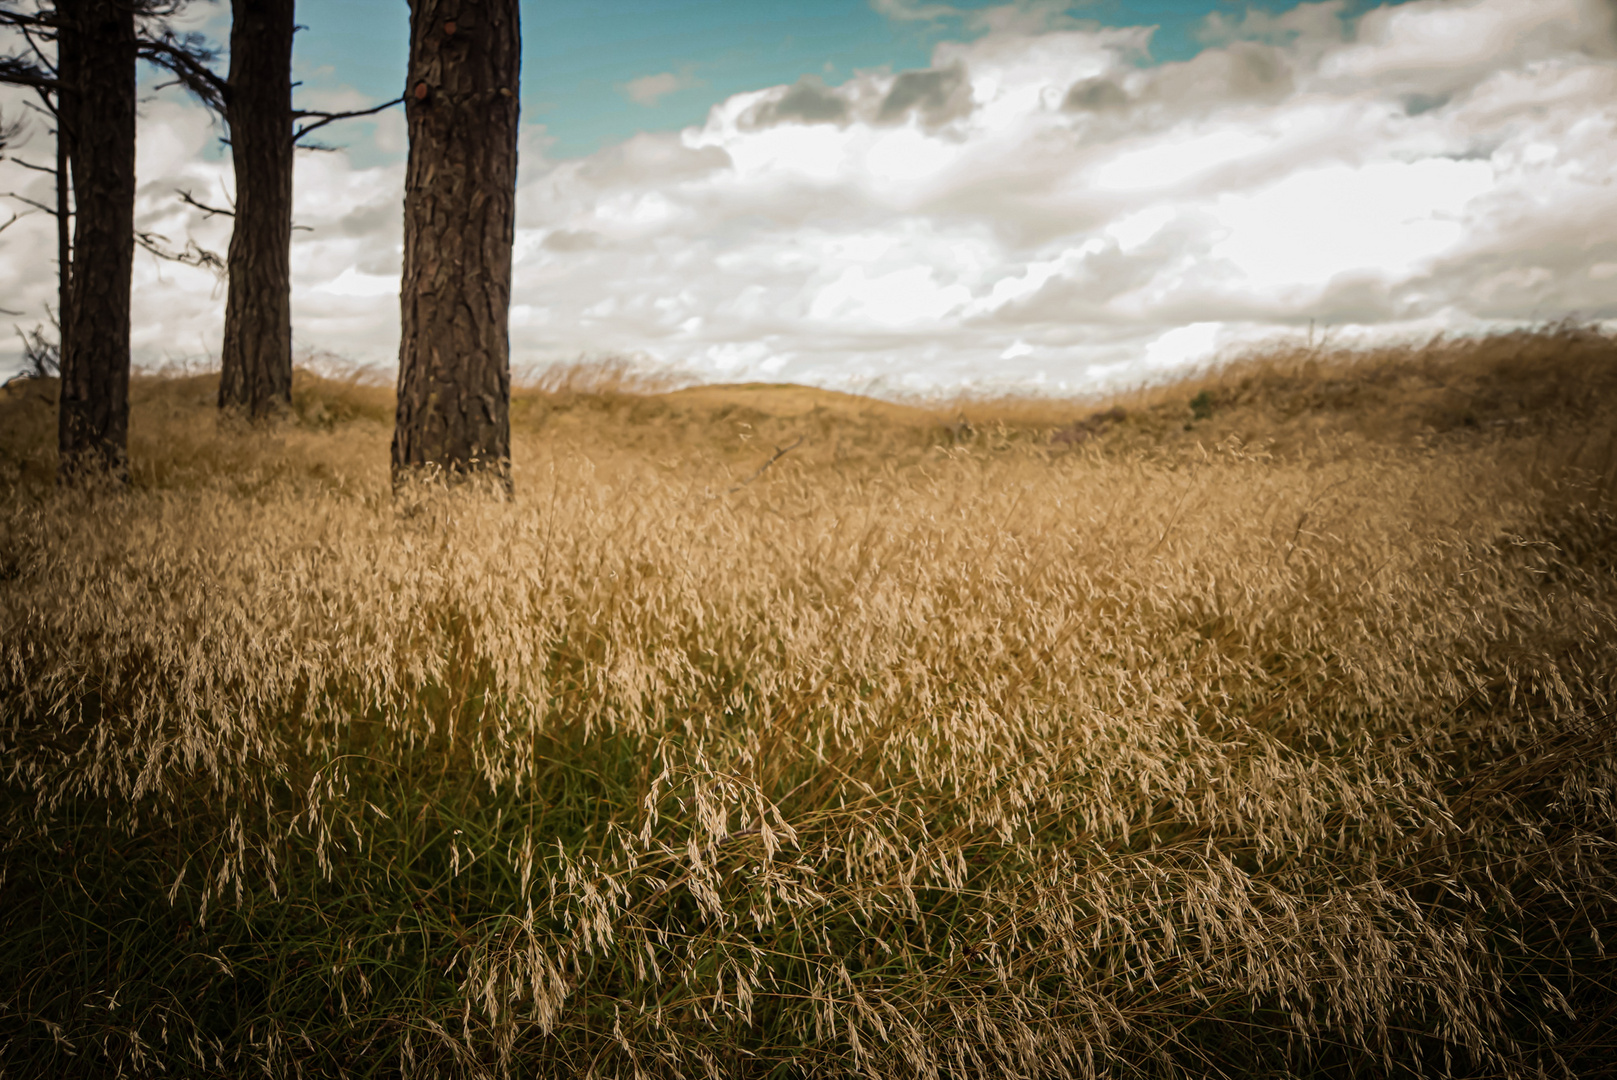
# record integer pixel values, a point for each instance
(93, 419)
(459, 221)
(256, 357)
(64, 180)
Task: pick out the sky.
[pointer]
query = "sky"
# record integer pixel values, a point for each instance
(917, 197)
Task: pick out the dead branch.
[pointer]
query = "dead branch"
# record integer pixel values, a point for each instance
(211, 211)
(329, 117)
(51, 210)
(186, 58)
(19, 72)
(193, 255)
(30, 165)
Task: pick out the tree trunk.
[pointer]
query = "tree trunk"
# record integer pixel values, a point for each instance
(459, 221)
(256, 358)
(64, 174)
(93, 421)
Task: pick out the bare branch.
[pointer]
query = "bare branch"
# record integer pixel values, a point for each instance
(19, 72)
(211, 211)
(50, 98)
(45, 63)
(15, 217)
(51, 210)
(43, 356)
(187, 59)
(30, 165)
(329, 117)
(20, 20)
(9, 132)
(193, 255)
(215, 211)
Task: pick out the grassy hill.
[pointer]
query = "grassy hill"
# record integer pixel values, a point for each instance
(1256, 725)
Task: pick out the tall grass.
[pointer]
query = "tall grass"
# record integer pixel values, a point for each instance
(1278, 746)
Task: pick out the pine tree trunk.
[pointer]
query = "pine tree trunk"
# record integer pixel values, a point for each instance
(64, 202)
(256, 358)
(459, 221)
(93, 422)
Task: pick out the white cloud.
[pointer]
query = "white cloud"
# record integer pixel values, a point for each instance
(1389, 218)
(899, 299)
(1036, 201)
(1161, 165)
(354, 282)
(1438, 46)
(1279, 177)
(911, 10)
(1184, 345)
(650, 89)
(1140, 227)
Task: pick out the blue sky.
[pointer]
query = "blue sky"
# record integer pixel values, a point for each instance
(930, 196)
(577, 57)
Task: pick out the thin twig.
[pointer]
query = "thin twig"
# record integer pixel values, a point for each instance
(187, 60)
(780, 452)
(43, 62)
(328, 117)
(51, 210)
(193, 255)
(18, 72)
(191, 200)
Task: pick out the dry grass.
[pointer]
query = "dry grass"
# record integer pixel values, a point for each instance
(1281, 746)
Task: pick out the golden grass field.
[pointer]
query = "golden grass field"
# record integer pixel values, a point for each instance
(1260, 727)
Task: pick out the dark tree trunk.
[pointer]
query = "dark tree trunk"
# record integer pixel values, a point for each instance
(64, 181)
(256, 373)
(93, 424)
(459, 220)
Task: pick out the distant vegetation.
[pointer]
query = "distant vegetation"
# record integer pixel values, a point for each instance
(1254, 726)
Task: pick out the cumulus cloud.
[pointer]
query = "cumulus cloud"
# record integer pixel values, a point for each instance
(1037, 200)
(650, 89)
(1038, 204)
(936, 94)
(1097, 95)
(912, 10)
(807, 101)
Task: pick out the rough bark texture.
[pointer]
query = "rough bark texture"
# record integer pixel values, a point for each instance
(93, 424)
(459, 217)
(65, 54)
(256, 357)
